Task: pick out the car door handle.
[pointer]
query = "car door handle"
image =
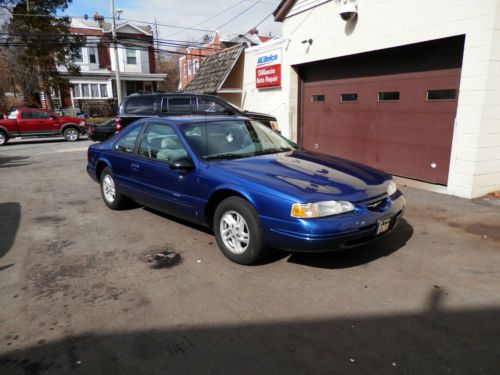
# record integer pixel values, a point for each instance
(135, 167)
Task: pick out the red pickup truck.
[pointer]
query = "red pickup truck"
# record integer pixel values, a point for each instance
(39, 122)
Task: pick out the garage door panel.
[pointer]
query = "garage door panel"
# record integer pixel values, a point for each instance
(410, 136)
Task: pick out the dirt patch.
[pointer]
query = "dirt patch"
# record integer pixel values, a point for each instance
(483, 230)
(49, 219)
(162, 258)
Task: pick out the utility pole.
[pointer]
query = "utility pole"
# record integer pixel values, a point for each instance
(115, 48)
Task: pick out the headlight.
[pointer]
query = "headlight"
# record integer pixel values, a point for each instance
(320, 209)
(392, 188)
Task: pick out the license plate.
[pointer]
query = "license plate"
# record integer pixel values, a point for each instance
(383, 225)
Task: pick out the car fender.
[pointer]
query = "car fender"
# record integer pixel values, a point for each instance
(3, 128)
(67, 125)
(100, 165)
(237, 189)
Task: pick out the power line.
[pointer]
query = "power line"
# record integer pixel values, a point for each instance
(211, 18)
(238, 15)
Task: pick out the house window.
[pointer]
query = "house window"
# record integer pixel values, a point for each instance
(317, 98)
(190, 67)
(85, 90)
(196, 65)
(75, 89)
(385, 96)
(131, 57)
(447, 94)
(352, 97)
(76, 54)
(104, 91)
(92, 55)
(95, 90)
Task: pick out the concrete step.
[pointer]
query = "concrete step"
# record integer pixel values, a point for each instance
(69, 111)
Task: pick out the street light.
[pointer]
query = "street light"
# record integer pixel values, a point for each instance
(113, 33)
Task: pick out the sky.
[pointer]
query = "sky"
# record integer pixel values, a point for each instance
(188, 13)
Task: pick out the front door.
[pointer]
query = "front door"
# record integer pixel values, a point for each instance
(66, 97)
(156, 184)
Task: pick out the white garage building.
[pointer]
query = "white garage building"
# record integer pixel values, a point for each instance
(411, 87)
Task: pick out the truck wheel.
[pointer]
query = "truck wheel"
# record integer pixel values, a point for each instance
(238, 232)
(3, 138)
(71, 135)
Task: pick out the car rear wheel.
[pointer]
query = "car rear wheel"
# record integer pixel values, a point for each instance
(3, 138)
(238, 231)
(71, 135)
(111, 196)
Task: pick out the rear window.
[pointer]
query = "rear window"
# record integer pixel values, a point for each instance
(140, 104)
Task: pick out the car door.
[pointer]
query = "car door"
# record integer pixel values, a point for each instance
(29, 123)
(122, 157)
(159, 186)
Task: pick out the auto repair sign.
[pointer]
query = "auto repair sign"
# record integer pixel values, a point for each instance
(268, 70)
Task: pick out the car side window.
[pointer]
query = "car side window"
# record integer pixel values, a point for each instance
(178, 105)
(41, 114)
(211, 106)
(127, 142)
(140, 104)
(27, 115)
(161, 142)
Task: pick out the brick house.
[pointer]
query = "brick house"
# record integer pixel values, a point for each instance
(94, 91)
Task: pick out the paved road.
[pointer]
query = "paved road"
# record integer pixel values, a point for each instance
(77, 294)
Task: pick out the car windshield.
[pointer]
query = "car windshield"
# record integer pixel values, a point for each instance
(232, 139)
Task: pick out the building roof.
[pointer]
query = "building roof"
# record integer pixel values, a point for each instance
(214, 71)
(106, 26)
(282, 9)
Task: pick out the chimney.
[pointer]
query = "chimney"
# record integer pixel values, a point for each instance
(99, 19)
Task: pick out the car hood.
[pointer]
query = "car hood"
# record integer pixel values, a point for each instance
(306, 176)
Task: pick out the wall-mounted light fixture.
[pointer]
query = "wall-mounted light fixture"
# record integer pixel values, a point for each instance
(307, 41)
(348, 10)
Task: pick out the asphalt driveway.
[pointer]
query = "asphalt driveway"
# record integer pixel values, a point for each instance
(78, 292)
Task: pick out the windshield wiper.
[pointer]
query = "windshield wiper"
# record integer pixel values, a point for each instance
(225, 156)
(273, 151)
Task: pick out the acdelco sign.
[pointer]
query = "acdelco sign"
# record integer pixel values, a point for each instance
(268, 70)
(267, 59)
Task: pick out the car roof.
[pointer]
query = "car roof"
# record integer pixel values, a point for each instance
(180, 120)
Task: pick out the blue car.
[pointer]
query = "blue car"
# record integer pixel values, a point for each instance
(255, 188)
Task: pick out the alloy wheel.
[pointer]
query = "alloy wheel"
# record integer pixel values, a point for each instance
(234, 232)
(108, 188)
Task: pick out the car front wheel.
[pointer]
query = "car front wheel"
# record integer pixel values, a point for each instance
(111, 196)
(238, 231)
(71, 135)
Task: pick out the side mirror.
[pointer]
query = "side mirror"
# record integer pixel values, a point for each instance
(184, 163)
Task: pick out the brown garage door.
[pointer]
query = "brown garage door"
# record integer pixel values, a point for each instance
(401, 123)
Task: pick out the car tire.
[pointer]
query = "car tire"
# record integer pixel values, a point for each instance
(71, 134)
(3, 138)
(110, 195)
(238, 231)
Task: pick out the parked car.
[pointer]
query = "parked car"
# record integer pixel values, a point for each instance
(39, 122)
(136, 107)
(251, 185)
(103, 131)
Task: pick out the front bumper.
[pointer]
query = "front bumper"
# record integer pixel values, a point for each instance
(335, 232)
